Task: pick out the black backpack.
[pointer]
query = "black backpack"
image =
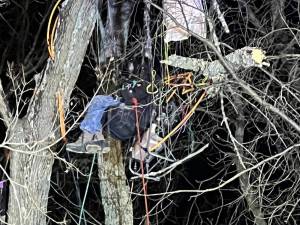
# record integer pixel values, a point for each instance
(120, 121)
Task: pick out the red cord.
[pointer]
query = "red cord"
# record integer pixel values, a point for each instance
(134, 102)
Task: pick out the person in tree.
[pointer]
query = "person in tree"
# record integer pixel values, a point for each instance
(116, 116)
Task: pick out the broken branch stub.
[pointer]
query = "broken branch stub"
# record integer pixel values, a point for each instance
(239, 59)
(242, 58)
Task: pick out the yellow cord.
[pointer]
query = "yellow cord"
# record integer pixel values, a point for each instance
(171, 96)
(188, 80)
(49, 43)
(61, 117)
(203, 82)
(190, 113)
(52, 39)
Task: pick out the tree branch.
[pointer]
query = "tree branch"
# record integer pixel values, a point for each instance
(239, 59)
(168, 169)
(233, 178)
(250, 192)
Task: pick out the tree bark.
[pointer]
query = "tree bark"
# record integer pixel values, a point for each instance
(117, 27)
(114, 188)
(239, 59)
(32, 137)
(115, 196)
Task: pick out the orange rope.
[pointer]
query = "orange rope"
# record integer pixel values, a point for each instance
(61, 117)
(135, 104)
(183, 80)
(170, 96)
(52, 54)
(50, 37)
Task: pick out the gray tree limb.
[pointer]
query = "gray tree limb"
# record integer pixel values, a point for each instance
(237, 60)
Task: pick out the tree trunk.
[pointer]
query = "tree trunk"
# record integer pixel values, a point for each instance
(117, 28)
(116, 200)
(114, 189)
(250, 192)
(31, 138)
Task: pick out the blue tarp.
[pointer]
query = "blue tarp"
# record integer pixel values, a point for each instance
(96, 109)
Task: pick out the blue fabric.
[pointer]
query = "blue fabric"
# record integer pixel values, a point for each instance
(92, 120)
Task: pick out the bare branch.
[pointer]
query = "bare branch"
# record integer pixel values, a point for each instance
(169, 169)
(233, 178)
